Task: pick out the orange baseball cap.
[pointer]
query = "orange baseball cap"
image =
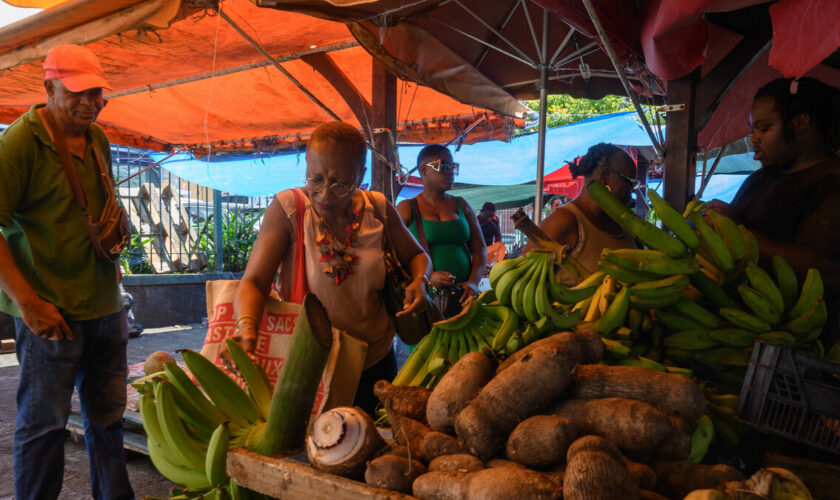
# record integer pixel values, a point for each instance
(77, 68)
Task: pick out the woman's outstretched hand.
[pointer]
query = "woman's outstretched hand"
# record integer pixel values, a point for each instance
(415, 298)
(246, 336)
(470, 290)
(441, 279)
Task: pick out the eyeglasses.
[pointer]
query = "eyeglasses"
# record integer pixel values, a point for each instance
(445, 167)
(634, 183)
(339, 189)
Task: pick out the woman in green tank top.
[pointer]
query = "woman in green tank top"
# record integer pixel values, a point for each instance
(445, 226)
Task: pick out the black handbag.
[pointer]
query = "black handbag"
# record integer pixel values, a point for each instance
(413, 327)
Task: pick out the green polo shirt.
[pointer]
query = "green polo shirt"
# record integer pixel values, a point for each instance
(44, 227)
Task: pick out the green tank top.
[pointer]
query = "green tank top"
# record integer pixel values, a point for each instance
(447, 240)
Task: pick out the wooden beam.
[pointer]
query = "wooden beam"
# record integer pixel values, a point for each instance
(681, 141)
(291, 479)
(642, 166)
(384, 109)
(324, 64)
(717, 82)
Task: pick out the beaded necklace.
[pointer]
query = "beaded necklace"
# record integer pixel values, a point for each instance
(336, 252)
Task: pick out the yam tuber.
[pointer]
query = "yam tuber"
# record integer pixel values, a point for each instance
(461, 462)
(529, 384)
(408, 401)
(407, 432)
(506, 483)
(632, 425)
(456, 389)
(676, 395)
(498, 463)
(585, 344)
(441, 485)
(642, 473)
(677, 445)
(436, 444)
(541, 441)
(678, 479)
(393, 473)
(594, 473)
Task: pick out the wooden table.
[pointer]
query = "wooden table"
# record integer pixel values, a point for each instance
(292, 478)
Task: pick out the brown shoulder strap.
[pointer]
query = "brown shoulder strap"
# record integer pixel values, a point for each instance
(418, 219)
(69, 166)
(383, 218)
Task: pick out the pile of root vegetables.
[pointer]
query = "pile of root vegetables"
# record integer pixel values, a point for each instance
(548, 422)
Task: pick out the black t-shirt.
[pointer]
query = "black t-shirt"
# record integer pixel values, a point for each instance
(488, 229)
(800, 207)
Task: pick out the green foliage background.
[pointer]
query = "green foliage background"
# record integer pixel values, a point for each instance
(564, 109)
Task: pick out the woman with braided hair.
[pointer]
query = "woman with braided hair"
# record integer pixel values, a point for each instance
(581, 224)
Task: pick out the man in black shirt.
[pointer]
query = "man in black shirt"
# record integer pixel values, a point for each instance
(792, 203)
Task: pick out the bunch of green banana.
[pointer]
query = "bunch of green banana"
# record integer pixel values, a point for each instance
(483, 324)
(770, 310)
(721, 410)
(645, 232)
(188, 433)
(529, 285)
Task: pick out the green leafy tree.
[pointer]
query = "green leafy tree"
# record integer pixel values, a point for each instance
(564, 109)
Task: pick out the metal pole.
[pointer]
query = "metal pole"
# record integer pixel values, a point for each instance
(538, 198)
(708, 176)
(596, 21)
(217, 228)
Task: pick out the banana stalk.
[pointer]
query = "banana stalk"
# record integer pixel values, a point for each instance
(297, 384)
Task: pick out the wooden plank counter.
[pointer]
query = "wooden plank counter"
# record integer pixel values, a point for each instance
(292, 479)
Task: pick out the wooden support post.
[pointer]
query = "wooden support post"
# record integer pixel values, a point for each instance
(642, 165)
(384, 107)
(715, 85)
(324, 64)
(681, 142)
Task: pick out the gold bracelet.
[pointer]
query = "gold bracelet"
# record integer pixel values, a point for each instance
(246, 318)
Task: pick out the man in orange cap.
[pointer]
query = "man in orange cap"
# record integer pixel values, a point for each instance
(70, 328)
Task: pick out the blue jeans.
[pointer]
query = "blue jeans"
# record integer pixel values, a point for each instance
(95, 363)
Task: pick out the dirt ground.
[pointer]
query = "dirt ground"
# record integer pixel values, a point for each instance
(144, 478)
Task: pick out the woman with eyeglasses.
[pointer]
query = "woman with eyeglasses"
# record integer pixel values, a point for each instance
(342, 230)
(447, 228)
(581, 224)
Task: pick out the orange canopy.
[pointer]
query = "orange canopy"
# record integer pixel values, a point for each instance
(199, 82)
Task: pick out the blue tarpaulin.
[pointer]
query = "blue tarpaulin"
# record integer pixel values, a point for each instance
(492, 163)
(485, 163)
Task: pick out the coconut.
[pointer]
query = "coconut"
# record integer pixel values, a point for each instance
(342, 440)
(155, 361)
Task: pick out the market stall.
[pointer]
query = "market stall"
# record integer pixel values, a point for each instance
(626, 385)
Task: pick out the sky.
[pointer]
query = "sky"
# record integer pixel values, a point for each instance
(9, 14)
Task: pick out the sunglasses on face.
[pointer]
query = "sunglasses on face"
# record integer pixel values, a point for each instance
(634, 183)
(339, 189)
(443, 167)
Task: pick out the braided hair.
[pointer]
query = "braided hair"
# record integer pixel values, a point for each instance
(821, 102)
(588, 163)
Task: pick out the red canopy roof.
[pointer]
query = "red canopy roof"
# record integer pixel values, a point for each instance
(199, 81)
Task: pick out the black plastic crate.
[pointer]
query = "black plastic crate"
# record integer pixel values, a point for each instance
(792, 394)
